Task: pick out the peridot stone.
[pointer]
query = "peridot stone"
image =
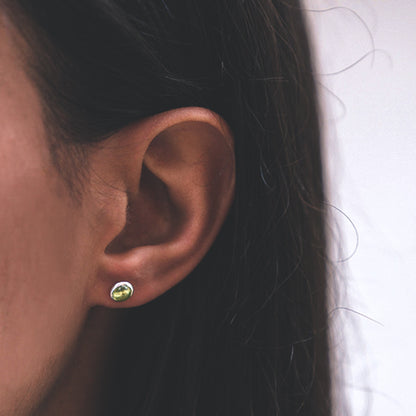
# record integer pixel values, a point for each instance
(121, 291)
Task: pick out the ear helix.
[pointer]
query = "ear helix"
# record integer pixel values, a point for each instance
(121, 291)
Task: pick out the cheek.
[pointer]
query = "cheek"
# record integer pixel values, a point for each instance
(43, 247)
(41, 276)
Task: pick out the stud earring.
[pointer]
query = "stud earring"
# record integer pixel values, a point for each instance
(121, 291)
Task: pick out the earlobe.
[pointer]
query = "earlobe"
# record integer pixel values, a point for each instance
(177, 201)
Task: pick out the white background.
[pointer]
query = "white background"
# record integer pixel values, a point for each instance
(370, 132)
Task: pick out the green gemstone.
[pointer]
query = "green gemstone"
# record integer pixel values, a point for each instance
(121, 291)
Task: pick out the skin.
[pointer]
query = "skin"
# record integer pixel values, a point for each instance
(175, 171)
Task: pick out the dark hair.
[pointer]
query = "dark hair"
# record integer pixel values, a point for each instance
(246, 333)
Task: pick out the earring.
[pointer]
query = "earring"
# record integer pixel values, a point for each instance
(121, 291)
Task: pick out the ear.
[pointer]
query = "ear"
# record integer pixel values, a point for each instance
(175, 177)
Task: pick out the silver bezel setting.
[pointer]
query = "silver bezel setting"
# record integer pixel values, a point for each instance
(117, 285)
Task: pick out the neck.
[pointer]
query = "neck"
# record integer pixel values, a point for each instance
(79, 386)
